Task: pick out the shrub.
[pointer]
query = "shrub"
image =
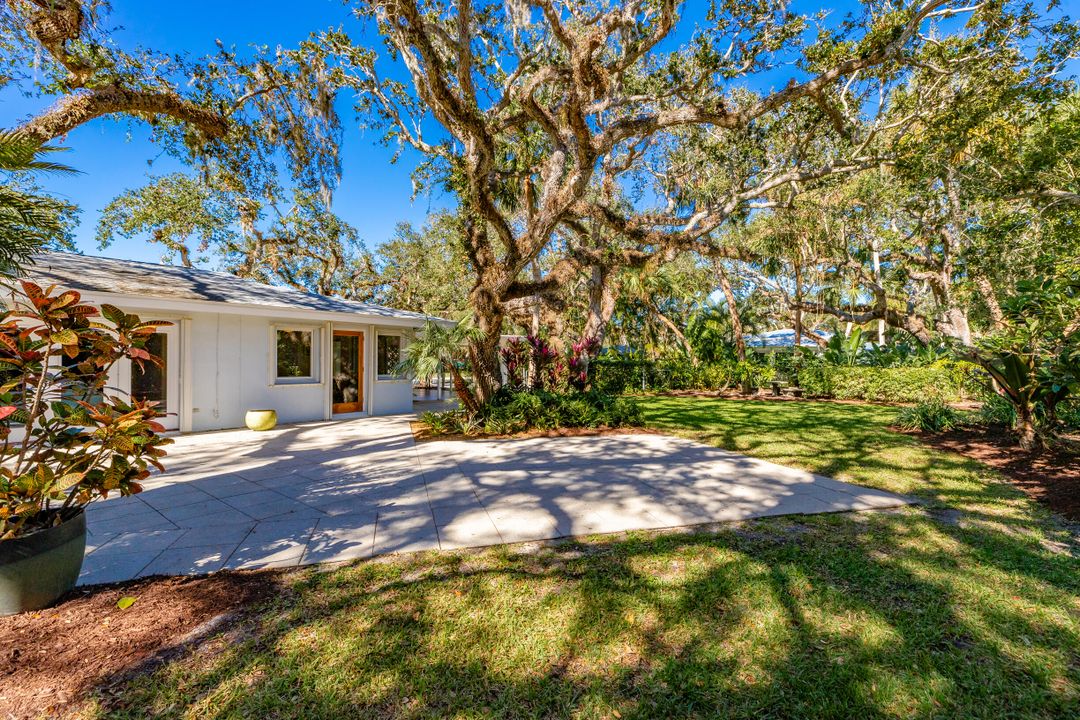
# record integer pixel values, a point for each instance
(995, 411)
(623, 375)
(618, 376)
(535, 351)
(999, 411)
(931, 416)
(513, 411)
(464, 424)
(1035, 356)
(1069, 415)
(944, 381)
(439, 423)
(79, 443)
(752, 374)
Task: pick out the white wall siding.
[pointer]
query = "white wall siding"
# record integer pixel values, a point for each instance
(227, 366)
(392, 397)
(388, 397)
(233, 361)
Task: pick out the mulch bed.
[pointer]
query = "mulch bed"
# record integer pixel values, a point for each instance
(1052, 479)
(50, 660)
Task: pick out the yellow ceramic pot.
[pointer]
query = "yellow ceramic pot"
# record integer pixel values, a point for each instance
(259, 420)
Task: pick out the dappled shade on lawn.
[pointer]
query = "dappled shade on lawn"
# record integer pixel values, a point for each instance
(963, 607)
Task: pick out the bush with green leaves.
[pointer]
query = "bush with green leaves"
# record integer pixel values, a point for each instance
(995, 411)
(515, 411)
(439, 423)
(947, 381)
(1068, 414)
(1034, 358)
(623, 375)
(900, 354)
(845, 350)
(931, 416)
(65, 440)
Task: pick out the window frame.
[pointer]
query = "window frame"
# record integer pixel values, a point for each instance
(316, 348)
(391, 377)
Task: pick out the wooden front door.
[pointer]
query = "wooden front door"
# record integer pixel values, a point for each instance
(347, 385)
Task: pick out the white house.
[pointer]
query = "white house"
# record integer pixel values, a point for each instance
(237, 345)
(783, 339)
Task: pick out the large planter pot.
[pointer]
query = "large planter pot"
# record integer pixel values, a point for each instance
(260, 420)
(37, 569)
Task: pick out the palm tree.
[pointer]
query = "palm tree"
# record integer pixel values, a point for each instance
(647, 289)
(28, 221)
(439, 348)
(713, 333)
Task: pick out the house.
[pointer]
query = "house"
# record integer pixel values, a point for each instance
(237, 345)
(774, 340)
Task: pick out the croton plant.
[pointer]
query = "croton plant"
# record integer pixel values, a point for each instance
(66, 436)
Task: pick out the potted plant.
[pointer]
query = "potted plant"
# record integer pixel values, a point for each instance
(65, 437)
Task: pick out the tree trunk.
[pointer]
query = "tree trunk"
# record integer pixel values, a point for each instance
(484, 352)
(1025, 429)
(534, 368)
(986, 292)
(956, 325)
(602, 299)
(468, 400)
(798, 306)
(877, 278)
(674, 330)
(733, 313)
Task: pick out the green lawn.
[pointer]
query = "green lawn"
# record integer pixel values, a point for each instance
(964, 608)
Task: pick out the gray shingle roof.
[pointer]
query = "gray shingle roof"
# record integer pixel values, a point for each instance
(783, 338)
(129, 277)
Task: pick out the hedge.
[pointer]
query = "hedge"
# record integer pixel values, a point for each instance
(512, 412)
(947, 381)
(622, 375)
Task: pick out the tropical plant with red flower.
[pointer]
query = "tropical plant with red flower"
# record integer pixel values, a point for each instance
(515, 357)
(546, 368)
(577, 362)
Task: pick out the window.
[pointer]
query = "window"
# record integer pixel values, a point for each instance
(294, 355)
(388, 352)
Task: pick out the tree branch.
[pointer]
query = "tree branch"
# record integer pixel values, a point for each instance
(74, 110)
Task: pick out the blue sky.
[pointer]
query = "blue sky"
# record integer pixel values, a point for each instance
(112, 156)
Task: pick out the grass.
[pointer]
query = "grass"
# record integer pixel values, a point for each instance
(965, 607)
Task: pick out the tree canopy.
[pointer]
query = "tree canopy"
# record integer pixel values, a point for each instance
(616, 174)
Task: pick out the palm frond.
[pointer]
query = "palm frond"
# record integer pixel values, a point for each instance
(28, 221)
(19, 153)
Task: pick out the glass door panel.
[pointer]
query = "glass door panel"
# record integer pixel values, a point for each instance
(347, 392)
(160, 383)
(150, 382)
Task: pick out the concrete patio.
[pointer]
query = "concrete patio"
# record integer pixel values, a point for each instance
(330, 492)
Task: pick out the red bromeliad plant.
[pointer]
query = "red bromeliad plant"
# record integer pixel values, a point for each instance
(515, 356)
(531, 364)
(546, 367)
(577, 362)
(65, 439)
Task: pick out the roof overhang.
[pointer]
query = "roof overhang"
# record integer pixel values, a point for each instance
(174, 305)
